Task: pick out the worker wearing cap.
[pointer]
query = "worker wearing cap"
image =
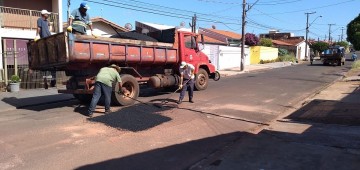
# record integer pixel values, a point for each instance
(43, 25)
(103, 86)
(79, 20)
(186, 75)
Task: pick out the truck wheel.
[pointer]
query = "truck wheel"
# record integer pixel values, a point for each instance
(132, 91)
(83, 98)
(202, 80)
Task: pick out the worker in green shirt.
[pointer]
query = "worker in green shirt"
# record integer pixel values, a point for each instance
(103, 86)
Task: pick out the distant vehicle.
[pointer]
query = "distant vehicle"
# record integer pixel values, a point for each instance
(334, 55)
(352, 50)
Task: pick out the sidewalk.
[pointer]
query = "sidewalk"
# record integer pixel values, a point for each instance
(255, 67)
(23, 98)
(322, 134)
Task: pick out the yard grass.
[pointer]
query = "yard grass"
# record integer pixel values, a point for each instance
(356, 65)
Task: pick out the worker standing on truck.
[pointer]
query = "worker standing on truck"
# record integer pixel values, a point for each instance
(43, 25)
(79, 20)
(103, 86)
(186, 74)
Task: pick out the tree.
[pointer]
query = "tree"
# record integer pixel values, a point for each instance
(251, 39)
(319, 46)
(353, 32)
(266, 42)
(343, 44)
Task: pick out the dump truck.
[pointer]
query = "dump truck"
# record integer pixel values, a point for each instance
(151, 63)
(334, 55)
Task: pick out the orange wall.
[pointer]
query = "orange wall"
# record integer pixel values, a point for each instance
(29, 4)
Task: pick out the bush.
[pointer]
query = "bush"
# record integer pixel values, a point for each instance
(289, 57)
(251, 39)
(356, 65)
(15, 79)
(266, 42)
(283, 52)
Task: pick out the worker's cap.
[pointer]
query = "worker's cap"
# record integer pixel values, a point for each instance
(115, 67)
(84, 5)
(183, 64)
(44, 11)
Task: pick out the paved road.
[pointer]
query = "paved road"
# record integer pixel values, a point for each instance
(57, 136)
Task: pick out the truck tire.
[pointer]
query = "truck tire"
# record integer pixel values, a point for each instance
(83, 98)
(201, 80)
(132, 86)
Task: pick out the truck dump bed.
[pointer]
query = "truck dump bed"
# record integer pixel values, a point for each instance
(62, 51)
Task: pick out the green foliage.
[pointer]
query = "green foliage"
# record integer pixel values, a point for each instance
(266, 42)
(319, 46)
(288, 57)
(343, 44)
(353, 32)
(283, 52)
(356, 65)
(15, 79)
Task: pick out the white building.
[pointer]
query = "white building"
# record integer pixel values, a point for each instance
(18, 23)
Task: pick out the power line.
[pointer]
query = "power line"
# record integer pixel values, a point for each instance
(309, 9)
(157, 12)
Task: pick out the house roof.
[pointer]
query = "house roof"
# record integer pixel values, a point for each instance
(213, 41)
(227, 34)
(100, 19)
(279, 42)
(214, 36)
(288, 42)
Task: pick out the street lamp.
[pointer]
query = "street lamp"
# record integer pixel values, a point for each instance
(307, 31)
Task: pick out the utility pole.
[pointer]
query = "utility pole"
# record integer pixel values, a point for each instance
(330, 31)
(342, 33)
(307, 32)
(193, 24)
(242, 65)
(243, 26)
(68, 9)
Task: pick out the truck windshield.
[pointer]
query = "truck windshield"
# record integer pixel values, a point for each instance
(190, 42)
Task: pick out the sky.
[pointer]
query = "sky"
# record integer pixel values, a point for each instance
(264, 15)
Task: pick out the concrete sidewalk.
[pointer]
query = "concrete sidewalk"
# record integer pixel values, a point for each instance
(322, 134)
(255, 67)
(23, 98)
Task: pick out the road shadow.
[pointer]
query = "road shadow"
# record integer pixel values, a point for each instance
(40, 103)
(133, 118)
(178, 156)
(343, 112)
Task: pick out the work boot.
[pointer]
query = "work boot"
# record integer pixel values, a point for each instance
(191, 100)
(90, 114)
(179, 101)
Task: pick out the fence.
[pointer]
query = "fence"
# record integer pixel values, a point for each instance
(34, 79)
(24, 18)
